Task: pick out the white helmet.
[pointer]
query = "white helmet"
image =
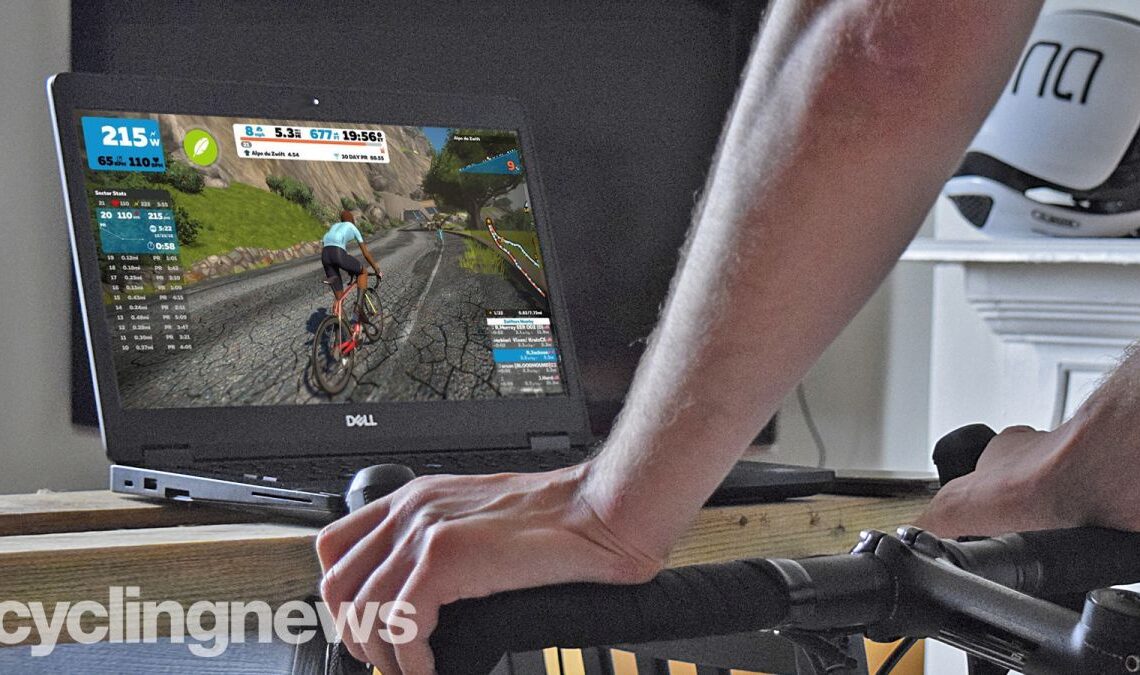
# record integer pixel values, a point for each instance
(1060, 154)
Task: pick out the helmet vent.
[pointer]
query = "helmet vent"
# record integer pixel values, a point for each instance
(974, 208)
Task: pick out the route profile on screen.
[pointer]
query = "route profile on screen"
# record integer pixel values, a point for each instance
(210, 232)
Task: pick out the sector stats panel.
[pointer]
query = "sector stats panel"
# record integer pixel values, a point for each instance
(146, 301)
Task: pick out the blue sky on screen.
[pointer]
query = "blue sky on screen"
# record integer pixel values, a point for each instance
(437, 136)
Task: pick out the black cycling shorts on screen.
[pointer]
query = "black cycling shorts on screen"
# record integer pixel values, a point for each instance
(334, 259)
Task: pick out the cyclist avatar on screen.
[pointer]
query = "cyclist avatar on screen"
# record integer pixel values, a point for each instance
(335, 256)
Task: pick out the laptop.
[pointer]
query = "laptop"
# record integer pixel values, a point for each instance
(213, 227)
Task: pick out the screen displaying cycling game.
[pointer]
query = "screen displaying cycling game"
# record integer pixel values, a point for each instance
(281, 262)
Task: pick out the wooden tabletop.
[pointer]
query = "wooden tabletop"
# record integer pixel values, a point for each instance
(60, 547)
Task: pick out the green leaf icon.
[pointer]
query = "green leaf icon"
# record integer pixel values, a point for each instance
(200, 147)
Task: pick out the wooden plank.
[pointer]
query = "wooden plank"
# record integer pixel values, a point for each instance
(157, 538)
(45, 512)
(821, 524)
(795, 528)
(232, 562)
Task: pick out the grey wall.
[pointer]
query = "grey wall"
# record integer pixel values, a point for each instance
(869, 392)
(38, 446)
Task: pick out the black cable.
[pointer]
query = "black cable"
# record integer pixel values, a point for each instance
(896, 655)
(812, 428)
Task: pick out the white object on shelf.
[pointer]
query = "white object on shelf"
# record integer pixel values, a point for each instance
(1028, 250)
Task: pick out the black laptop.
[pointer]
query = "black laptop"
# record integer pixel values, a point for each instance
(201, 218)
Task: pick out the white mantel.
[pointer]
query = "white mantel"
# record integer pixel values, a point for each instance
(1055, 315)
(1042, 250)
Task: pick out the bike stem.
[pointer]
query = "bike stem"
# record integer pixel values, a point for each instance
(930, 596)
(943, 601)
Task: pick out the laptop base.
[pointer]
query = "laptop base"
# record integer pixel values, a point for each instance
(275, 485)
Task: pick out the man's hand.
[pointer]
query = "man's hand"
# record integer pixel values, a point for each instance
(444, 538)
(1081, 473)
(1005, 493)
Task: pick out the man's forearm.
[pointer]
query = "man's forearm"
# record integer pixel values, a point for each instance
(1115, 405)
(1092, 475)
(837, 144)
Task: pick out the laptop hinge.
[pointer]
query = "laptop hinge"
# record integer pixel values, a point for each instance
(549, 441)
(174, 455)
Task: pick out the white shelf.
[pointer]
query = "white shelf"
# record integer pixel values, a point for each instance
(1035, 251)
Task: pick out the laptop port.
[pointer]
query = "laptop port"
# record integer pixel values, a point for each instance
(285, 498)
(150, 483)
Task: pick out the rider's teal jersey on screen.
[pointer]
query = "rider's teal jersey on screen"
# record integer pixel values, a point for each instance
(342, 234)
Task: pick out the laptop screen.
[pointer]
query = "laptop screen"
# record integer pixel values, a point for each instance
(231, 252)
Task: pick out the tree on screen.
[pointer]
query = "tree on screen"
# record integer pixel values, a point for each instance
(470, 192)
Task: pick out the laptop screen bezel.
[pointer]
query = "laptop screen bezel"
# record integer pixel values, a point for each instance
(238, 432)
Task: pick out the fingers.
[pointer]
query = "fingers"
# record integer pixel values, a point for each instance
(415, 658)
(381, 586)
(940, 515)
(418, 577)
(1003, 494)
(338, 537)
(361, 632)
(344, 572)
(1017, 429)
(1010, 445)
(413, 653)
(439, 539)
(347, 574)
(955, 511)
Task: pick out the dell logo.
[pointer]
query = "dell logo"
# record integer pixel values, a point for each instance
(1077, 70)
(359, 421)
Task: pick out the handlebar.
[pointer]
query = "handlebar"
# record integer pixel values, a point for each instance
(373, 281)
(993, 598)
(472, 635)
(990, 597)
(887, 587)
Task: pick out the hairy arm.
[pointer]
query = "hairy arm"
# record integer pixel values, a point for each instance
(828, 164)
(850, 115)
